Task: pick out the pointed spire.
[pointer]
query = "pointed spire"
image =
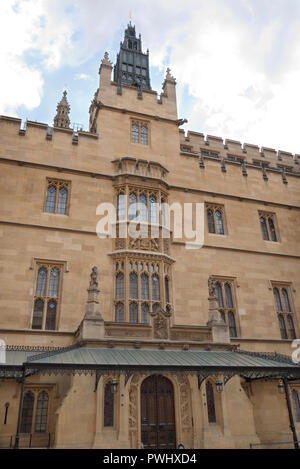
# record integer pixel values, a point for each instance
(62, 113)
(106, 61)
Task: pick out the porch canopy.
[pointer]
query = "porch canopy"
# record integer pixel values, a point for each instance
(100, 361)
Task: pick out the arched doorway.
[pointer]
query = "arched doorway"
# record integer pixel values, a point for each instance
(157, 413)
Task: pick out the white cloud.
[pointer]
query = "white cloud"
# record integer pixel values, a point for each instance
(82, 76)
(239, 59)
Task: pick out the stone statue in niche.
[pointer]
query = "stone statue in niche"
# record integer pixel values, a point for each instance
(94, 278)
(160, 327)
(211, 287)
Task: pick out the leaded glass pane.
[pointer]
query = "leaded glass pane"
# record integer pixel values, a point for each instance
(145, 313)
(135, 133)
(144, 287)
(121, 207)
(228, 296)
(296, 403)
(167, 293)
(144, 135)
(210, 221)
(41, 413)
(282, 327)
(50, 202)
(291, 327)
(51, 316)
(132, 206)
(219, 222)
(286, 301)
(108, 406)
(54, 283)
(119, 312)
(133, 280)
(153, 209)
(62, 200)
(119, 285)
(37, 319)
(133, 312)
(27, 412)
(155, 288)
(41, 282)
(272, 230)
(264, 228)
(219, 295)
(232, 325)
(210, 399)
(277, 299)
(143, 207)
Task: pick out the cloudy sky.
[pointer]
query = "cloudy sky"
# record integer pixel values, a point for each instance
(237, 62)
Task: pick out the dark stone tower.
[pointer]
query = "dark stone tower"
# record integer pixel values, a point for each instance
(132, 67)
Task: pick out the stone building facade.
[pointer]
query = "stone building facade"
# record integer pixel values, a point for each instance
(174, 342)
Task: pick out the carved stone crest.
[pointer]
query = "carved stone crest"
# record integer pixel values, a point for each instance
(161, 324)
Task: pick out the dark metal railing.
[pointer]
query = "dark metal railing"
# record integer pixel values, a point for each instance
(32, 440)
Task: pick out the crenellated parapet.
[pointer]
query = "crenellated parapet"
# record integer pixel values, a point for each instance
(229, 151)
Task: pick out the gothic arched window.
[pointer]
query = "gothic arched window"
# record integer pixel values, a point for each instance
(167, 292)
(38, 310)
(133, 285)
(153, 209)
(132, 206)
(210, 400)
(143, 208)
(144, 134)
(133, 312)
(286, 301)
(277, 299)
(121, 207)
(50, 201)
(41, 282)
(219, 222)
(210, 221)
(120, 285)
(145, 313)
(228, 296)
(264, 228)
(155, 288)
(272, 229)
(119, 312)
(62, 200)
(27, 412)
(108, 406)
(51, 316)
(41, 413)
(291, 327)
(282, 327)
(232, 325)
(144, 287)
(54, 283)
(219, 295)
(296, 403)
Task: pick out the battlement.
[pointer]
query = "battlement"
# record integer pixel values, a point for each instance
(196, 144)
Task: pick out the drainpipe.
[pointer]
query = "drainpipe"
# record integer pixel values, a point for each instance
(16, 446)
(292, 424)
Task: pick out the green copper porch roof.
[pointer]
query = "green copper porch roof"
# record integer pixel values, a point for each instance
(94, 357)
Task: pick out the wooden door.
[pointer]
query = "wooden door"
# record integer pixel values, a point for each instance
(157, 413)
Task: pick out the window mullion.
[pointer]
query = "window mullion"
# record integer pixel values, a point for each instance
(34, 412)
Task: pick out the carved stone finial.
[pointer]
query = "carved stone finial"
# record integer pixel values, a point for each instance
(106, 61)
(62, 113)
(94, 279)
(169, 77)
